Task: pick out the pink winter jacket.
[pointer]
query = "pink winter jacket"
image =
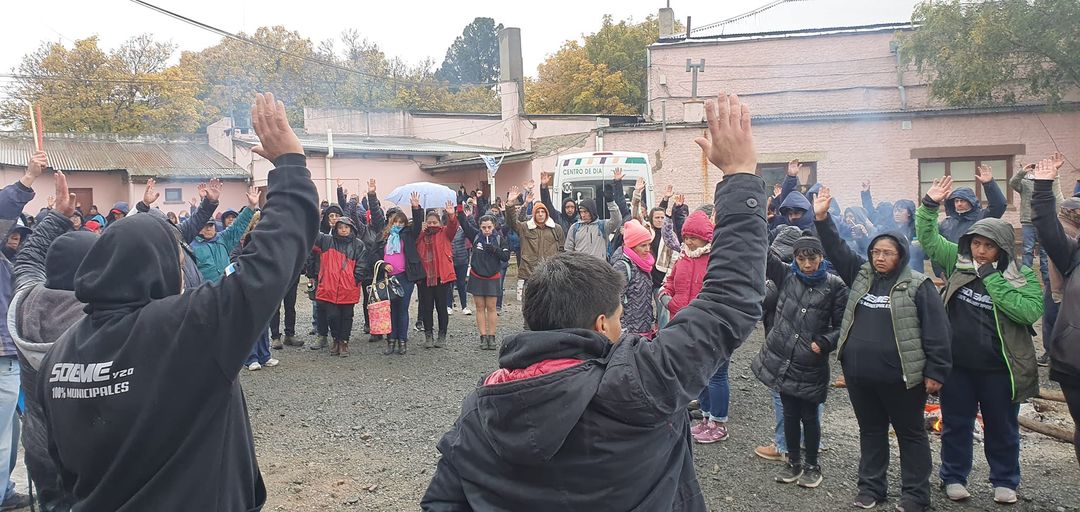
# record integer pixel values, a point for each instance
(686, 278)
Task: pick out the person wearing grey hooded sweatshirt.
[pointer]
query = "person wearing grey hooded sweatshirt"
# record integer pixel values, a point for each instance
(42, 309)
(589, 235)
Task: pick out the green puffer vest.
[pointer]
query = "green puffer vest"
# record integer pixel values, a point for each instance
(905, 320)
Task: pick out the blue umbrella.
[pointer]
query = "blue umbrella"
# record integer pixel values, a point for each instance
(432, 195)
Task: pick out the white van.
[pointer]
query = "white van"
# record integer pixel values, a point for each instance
(583, 175)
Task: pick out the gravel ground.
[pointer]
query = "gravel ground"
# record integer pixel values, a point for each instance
(359, 433)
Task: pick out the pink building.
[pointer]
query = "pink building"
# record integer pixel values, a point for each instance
(836, 99)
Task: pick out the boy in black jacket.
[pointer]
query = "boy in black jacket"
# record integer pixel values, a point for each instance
(576, 408)
(141, 398)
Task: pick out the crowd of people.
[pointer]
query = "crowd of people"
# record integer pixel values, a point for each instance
(630, 317)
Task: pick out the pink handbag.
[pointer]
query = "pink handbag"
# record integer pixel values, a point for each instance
(379, 317)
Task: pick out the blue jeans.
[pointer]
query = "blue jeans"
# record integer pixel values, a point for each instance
(1031, 237)
(399, 311)
(462, 284)
(964, 395)
(715, 398)
(502, 285)
(1050, 314)
(9, 397)
(778, 432)
(314, 316)
(260, 352)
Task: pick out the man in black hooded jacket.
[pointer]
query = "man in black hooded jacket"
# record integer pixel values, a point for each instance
(579, 417)
(142, 401)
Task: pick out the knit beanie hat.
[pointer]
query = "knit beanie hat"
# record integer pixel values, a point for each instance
(807, 243)
(634, 234)
(698, 225)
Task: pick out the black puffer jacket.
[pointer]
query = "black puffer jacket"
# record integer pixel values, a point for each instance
(804, 314)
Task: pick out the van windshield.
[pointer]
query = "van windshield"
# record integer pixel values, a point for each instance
(594, 189)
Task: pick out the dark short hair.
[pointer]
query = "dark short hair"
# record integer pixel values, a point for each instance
(569, 291)
(807, 252)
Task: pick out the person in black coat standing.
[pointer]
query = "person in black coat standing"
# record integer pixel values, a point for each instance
(795, 357)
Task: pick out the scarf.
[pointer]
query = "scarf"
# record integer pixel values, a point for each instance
(703, 250)
(393, 242)
(645, 264)
(427, 255)
(814, 278)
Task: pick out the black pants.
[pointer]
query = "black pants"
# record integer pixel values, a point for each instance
(801, 420)
(340, 318)
(1072, 399)
(876, 407)
(364, 297)
(290, 314)
(322, 327)
(433, 297)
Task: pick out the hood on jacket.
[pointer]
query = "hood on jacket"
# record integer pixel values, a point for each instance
(528, 421)
(795, 200)
(963, 193)
(906, 204)
(902, 244)
(590, 205)
(122, 206)
(565, 202)
(63, 258)
(861, 217)
(324, 223)
(136, 261)
(228, 213)
(348, 222)
(1000, 232)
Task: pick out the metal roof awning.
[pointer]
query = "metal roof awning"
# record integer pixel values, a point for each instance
(475, 162)
(385, 145)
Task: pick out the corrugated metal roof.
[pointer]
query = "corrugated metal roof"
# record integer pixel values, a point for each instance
(477, 162)
(138, 158)
(385, 144)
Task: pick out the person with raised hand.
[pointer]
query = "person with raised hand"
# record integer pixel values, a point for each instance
(189, 228)
(212, 249)
(434, 244)
(1064, 252)
(894, 349)
(992, 302)
(117, 443)
(963, 209)
(576, 405)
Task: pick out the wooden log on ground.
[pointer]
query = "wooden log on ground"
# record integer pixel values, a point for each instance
(1048, 430)
(1050, 394)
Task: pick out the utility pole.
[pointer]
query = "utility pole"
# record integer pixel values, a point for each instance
(691, 67)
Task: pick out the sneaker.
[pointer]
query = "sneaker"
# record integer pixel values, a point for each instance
(450, 311)
(1043, 360)
(789, 474)
(907, 506)
(271, 363)
(698, 426)
(707, 434)
(769, 452)
(275, 343)
(864, 501)
(1004, 495)
(466, 311)
(810, 478)
(15, 501)
(957, 492)
(254, 367)
(721, 431)
(419, 327)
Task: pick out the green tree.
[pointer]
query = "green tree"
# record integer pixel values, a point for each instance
(85, 89)
(473, 58)
(569, 83)
(623, 47)
(1000, 51)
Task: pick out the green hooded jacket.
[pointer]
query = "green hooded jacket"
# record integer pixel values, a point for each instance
(1017, 295)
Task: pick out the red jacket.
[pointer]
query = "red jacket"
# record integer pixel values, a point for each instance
(437, 252)
(339, 273)
(684, 281)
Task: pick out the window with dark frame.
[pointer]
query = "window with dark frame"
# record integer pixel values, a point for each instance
(174, 195)
(962, 171)
(774, 173)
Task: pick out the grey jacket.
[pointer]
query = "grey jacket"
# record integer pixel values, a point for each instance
(1024, 187)
(592, 237)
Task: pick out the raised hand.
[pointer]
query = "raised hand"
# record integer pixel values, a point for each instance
(821, 204)
(669, 191)
(1058, 160)
(777, 189)
(528, 185)
(414, 200)
(866, 186)
(639, 185)
(51, 202)
(37, 164)
(276, 138)
(1045, 170)
(680, 200)
(253, 197)
(149, 194)
(213, 192)
(618, 174)
(340, 183)
(65, 200)
(514, 192)
(546, 178)
(449, 208)
(793, 167)
(200, 191)
(730, 145)
(941, 189)
(371, 186)
(984, 174)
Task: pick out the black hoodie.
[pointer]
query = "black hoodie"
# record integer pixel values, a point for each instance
(611, 433)
(142, 402)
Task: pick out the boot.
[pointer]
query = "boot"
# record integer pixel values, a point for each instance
(491, 342)
(441, 340)
(375, 337)
(483, 342)
(429, 340)
(335, 349)
(320, 343)
(292, 341)
(343, 349)
(401, 347)
(275, 343)
(391, 347)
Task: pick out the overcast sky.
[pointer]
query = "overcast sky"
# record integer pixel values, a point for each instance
(413, 30)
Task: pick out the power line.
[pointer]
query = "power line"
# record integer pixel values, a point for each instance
(12, 76)
(312, 60)
(733, 19)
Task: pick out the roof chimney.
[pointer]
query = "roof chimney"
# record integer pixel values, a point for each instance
(667, 22)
